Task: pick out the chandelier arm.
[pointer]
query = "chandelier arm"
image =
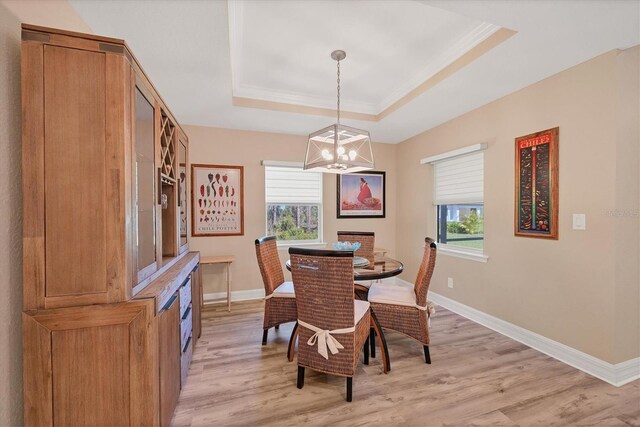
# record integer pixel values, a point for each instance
(315, 144)
(361, 144)
(357, 149)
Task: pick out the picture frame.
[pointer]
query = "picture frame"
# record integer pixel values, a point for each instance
(361, 195)
(536, 184)
(217, 200)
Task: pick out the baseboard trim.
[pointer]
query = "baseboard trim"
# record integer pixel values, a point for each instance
(616, 374)
(246, 295)
(627, 371)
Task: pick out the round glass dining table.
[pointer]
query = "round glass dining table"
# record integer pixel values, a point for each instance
(381, 268)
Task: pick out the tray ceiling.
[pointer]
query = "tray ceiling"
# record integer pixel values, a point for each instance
(280, 50)
(411, 65)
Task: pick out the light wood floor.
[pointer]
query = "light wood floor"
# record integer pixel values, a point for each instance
(478, 377)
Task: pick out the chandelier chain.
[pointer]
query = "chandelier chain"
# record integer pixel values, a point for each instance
(338, 92)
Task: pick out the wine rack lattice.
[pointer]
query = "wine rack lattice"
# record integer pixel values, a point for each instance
(168, 147)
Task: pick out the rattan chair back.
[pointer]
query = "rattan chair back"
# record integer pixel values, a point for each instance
(425, 272)
(366, 239)
(323, 283)
(269, 262)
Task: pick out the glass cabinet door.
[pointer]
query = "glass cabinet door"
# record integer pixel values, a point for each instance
(145, 178)
(182, 158)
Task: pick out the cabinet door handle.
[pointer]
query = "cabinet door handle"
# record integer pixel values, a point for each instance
(169, 303)
(186, 313)
(159, 186)
(179, 192)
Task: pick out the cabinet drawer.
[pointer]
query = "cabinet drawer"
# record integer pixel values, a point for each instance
(186, 361)
(169, 351)
(185, 297)
(185, 327)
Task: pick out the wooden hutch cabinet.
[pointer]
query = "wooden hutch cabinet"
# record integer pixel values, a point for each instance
(111, 291)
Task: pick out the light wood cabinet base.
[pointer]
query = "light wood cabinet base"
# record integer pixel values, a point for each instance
(92, 365)
(111, 364)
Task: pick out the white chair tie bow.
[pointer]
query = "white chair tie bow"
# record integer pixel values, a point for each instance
(430, 308)
(324, 339)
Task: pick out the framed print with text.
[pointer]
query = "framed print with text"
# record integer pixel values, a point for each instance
(217, 200)
(536, 192)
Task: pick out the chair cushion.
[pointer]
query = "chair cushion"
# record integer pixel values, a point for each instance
(359, 308)
(366, 284)
(285, 290)
(380, 293)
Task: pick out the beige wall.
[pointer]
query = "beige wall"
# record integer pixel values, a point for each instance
(10, 222)
(568, 290)
(235, 147)
(49, 13)
(626, 215)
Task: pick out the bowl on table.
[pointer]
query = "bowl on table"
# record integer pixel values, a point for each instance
(346, 246)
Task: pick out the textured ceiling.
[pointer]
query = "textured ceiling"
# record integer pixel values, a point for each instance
(391, 48)
(185, 47)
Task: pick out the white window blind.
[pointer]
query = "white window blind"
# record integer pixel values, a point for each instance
(292, 185)
(459, 179)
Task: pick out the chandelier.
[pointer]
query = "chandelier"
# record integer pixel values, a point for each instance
(339, 148)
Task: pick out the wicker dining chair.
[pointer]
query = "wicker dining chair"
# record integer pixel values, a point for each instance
(280, 298)
(333, 327)
(367, 242)
(406, 310)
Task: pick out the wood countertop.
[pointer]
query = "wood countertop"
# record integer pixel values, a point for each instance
(162, 288)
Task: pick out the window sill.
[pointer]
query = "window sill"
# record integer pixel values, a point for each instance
(461, 253)
(305, 244)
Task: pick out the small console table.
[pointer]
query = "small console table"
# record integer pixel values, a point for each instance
(220, 259)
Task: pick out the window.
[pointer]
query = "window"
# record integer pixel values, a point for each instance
(459, 200)
(461, 225)
(293, 204)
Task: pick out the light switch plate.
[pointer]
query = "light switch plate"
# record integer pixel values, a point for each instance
(579, 222)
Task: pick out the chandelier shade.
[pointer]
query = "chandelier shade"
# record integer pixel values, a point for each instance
(338, 148)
